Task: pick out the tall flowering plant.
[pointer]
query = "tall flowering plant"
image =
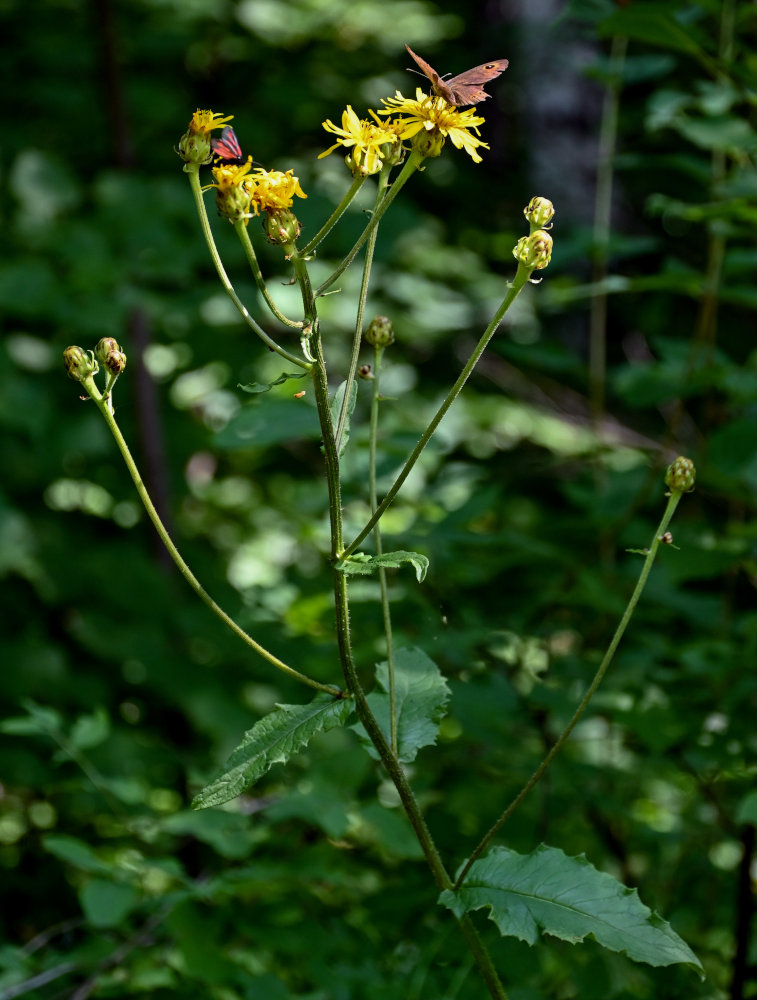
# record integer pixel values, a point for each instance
(544, 891)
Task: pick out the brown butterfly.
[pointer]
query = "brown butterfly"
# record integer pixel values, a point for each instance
(465, 88)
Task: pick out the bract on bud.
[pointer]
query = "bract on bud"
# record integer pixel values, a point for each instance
(534, 251)
(79, 364)
(380, 332)
(539, 212)
(281, 226)
(681, 475)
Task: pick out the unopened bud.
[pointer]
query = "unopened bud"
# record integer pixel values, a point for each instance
(681, 475)
(534, 251)
(380, 332)
(539, 212)
(109, 352)
(282, 226)
(79, 364)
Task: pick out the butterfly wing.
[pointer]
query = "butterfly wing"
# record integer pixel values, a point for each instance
(466, 88)
(439, 85)
(227, 147)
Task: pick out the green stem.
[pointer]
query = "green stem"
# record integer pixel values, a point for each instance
(357, 183)
(249, 251)
(412, 163)
(341, 609)
(194, 180)
(104, 407)
(602, 217)
(521, 278)
(673, 501)
(381, 188)
(385, 609)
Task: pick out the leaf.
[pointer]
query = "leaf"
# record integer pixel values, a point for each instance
(105, 904)
(360, 563)
(76, 852)
(257, 387)
(273, 740)
(651, 22)
(336, 407)
(421, 694)
(567, 897)
(277, 420)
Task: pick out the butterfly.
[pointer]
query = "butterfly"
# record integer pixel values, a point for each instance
(467, 87)
(227, 148)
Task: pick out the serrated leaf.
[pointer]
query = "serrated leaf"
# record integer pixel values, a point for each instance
(421, 695)
(547, 891)
(360, 563)
(273, 740)
(336, 407)
(257, 387)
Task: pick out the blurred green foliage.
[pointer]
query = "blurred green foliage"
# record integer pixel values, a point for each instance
(121, 694)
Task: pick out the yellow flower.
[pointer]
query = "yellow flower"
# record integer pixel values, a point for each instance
(233, 197)
(366, 139)
(272, 190)
(436, 116)
(203, 122)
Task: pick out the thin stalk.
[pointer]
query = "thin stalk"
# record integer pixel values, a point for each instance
(356, 340)
(341, 208)
(608, 134)
(385, 609)
(194, 180)
(411, 164)
(249, 251)
(673, 501)
(521, 278)
(105, 407)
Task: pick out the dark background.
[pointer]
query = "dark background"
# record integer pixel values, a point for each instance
(121, 694)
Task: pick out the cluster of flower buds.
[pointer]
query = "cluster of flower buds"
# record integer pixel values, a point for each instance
(82, 366)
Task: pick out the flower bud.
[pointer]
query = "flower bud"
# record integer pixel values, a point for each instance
(534, 251)
(79, 364)
(194, 147)
(539, 212)
(380, 332)
(109, 352)
(281, 226)
(681, 475)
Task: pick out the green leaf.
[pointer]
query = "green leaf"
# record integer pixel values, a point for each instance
(256, 387)
(75, 852)
(360, 563)
(567, 897)
(277, 420)
(272, 740)
(420, 693)
(105, 904)
(652, 23)
(747, 811)
(336, 407)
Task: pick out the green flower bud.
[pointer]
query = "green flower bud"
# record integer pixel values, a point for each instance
(194, 147)
(681, 475)
(380, 332)
(534, 251)
(539, 212)
(281, 226)
(233, 201)
(79, 364)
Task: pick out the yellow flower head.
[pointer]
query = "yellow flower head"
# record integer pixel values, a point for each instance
(233, 197)
(194, 145)
(439, 120)
(366, 139)
(203, 122)
(272, 190)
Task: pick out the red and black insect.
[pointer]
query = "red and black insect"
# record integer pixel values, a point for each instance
(227, 147)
